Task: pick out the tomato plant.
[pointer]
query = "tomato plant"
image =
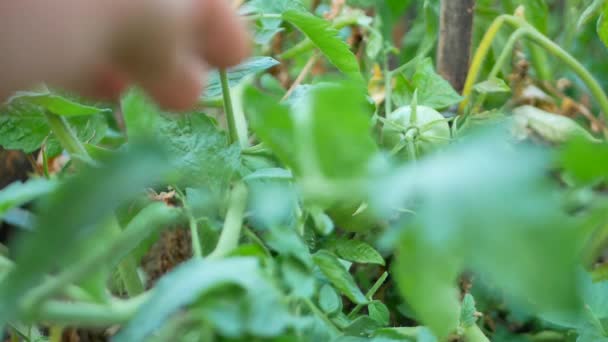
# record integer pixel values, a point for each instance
(333, 187)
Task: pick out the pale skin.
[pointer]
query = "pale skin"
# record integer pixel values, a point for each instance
(99, 47)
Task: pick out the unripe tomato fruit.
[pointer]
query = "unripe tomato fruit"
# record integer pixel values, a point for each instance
(428, 130)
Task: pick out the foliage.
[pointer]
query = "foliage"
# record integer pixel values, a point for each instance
(362, 198)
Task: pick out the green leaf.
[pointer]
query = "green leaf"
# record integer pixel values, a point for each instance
(57, 104)
(19, 193)
(189, 281)
(22, 126)
(474, 225)
(551, 127)
(272, 6)
(433, 90)
(495, 85)
(140, 113)
(379, 312)
(602, 25)
(589, 13)
(236, 74)
(467, 312)
(69, 218)
(331, 267)
(326, 39)
(358, 252)
(201, 155)
(88, 129)
(320, 123)
(580, 158)
(298, 277)
(329, 301)
(362, 326)
(375, 43)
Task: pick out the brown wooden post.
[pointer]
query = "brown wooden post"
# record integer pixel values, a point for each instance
(455, 36)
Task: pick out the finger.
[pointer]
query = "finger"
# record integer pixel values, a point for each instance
(147, 35)
(107, 84)
(221, 37)
(180, 88)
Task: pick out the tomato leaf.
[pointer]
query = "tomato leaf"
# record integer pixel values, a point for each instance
(236, 74)
(433, 90)
(57, 104)
(339, 276)
(358, 252)
(19, 193)
(185, 284)
(326, 38)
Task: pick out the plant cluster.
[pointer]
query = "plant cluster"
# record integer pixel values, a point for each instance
(334, 187)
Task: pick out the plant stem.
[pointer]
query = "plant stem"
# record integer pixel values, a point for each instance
(388, 89)
(65, 135)
(90, 314)
(507, 51)
(474, 334)
(369, 295)
(540, 39)
(411, 149)
(479, 58)
(71, 291)
(127, 268)
(142, 225)
(70, 142)
(301, 76)
(231, 232)
(591, 83)
(321, 315)
(228, 110)
(194, 236)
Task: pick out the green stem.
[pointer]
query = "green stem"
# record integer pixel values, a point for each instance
(315, 310)
(67, 138)
(127, 268)
(89, 314)
(540, 39)
(507, 51)
(213, 102)
(155, 215)
(411, 149)
(369, 295)
(591, 83)
(388, 89)
(231, 232)
(71, 291)
(479, 58)
(228, 110)
(474, 334)
(194, 236)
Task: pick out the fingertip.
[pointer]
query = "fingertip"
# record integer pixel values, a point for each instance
(179, 90)
(224, 38)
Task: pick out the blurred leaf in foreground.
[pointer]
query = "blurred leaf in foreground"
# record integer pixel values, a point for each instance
(191, 280)
(330, 141)
(488, 205)
(71, 215)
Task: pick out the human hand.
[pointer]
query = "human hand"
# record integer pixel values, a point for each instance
(98, 47)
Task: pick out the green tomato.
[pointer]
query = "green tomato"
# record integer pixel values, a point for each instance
(428, 130)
